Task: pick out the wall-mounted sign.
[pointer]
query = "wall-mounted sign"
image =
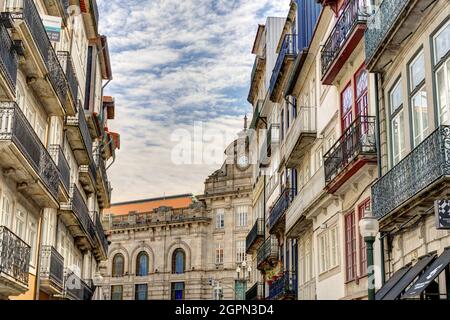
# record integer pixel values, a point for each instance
(53, 27)
(442, 212)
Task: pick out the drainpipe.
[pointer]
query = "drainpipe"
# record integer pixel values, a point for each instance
(380, 172)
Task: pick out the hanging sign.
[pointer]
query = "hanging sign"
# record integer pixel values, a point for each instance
(53, 27)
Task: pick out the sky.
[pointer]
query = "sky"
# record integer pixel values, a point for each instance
(181, 74)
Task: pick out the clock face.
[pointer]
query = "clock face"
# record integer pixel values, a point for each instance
(242, 162)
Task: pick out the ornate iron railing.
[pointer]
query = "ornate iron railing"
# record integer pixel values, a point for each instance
(8, 58)
(269, 249)
(428, 162)
(256, 292)
(280, 206)
(80, 121)
(63, 166)
(15, 127)
(273, 137)
(358, 139)
(14, 256)
(354, 13)
(381, 23)
(288, 48)
(81, 211)
(69, 70)
(284, 286)
(257, 231)
(75, 288)
(100, 163)
(100, 231)
(52, 265)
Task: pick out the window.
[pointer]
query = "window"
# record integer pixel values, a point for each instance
(220, 219)
(362, 103)
(334, 252)
(219, 253)
(328, 250)
(318, 159)
(365, 206)
(118, 265)
(32, 239)
(240, 251)
(241, 216)
(323, 252)
(282, 125)
(350, 247)
(20, 223)
(442, 72)
(418, 96)
(141, 292)
(397, 123)
(116, 293)
(142, 264)
(347, 103)
(178, 291)
(6, 211)
(179, 261)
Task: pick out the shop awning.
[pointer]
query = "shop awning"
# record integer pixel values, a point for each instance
(391, 282)
(408, 278)
(429, 275)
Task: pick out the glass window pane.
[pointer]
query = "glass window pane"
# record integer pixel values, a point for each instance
(417, 71)
(396, 96)
(398, 138)
(442, 43)
(420, 116)
(443, 92)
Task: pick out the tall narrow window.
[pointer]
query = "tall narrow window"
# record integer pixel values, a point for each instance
(142, 264)
(334, 252)
(220, 218)
(240, 251)
(32, 239)
(362, 103)
(118, 265)
(219, 253)
(141, 292)
(350, 247)
(179, 261)
(241, 216)
(442, 72)
(418, 100)
(20, 223)
(116, 293)
(397, 123)
(178, 291)
(346, 109)
(6, 211)
(365, 206)
(323, 252)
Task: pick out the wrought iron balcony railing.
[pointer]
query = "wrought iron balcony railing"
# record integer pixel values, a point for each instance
(16, 128)
(427, 163)
(69, 70)
(100, 232)
(52, 266)
(80, 121)
(8, 58)
(280, 206)
(81, 211)
(75, 288)
(354, 13)
(268, 251)
(284, 287)
(381, 23)
(256, 232)
(63, 166)
(26, 10)
(288, 49)
(358, 139)
(14, 256)
(256, 292)
(273, 137)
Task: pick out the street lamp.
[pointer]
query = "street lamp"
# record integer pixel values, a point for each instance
(246, 272)
(369, 228)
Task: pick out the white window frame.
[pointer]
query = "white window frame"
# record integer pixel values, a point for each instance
(220, 218)
(242, 216)
(219, 256)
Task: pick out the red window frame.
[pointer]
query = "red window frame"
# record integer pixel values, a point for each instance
(362, 244)
(347, 118)
(350, 247)
(363, 96)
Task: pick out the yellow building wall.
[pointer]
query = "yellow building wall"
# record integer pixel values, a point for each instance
(31, 293)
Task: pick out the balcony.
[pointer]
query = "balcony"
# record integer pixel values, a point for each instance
(280, 73)
(14, 264)
(69, 70)
(256, 292)
(75, 214)
(255, 237)
(256, 77)
(273, 137)
(88, 177)
(417, 181)
(394, 21)
(276, 221)
(343, 40)
(301, 136)
(257, 116)
(8, 65)
(103, 184)
(79, 138)
(64, 171)
(354, 149)
(41, 64)
(100, 251)
(284, 288)
(51, 271)
(268, 256)
(75, 288)
(25, 159)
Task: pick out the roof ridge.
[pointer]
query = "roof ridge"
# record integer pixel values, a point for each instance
(153, 199)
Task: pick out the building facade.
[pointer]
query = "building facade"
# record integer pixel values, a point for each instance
(55, 148)
(183, 247)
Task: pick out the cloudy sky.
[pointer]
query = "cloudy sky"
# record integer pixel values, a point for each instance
(179, 67)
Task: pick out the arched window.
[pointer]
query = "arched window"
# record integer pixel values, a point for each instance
(142, 264)
(178, 261)
(118, 265)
